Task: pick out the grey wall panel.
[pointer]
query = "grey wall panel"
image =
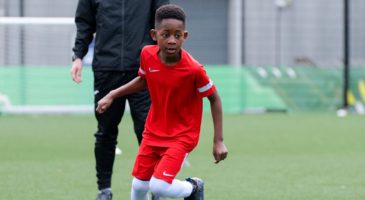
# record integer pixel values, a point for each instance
(298, 32)
(11, 7)
(9, 45)
(11, 48)
(50, 8)
(357, 32)
(49, 45)
(309, 31)
(2, 34)
(2, 7)
(259, 26)
(206, 23)
(306, 32)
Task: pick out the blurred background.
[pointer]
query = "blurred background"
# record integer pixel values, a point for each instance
(264, 55)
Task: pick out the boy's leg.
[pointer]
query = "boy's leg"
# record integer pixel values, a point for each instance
(191, 189)
(177, 189)
(139, 189)
(163, 182)
(146, 160)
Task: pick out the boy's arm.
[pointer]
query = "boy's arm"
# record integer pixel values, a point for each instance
(134, 85)
(219, 148)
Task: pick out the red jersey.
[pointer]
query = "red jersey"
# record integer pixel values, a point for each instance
(177, 93)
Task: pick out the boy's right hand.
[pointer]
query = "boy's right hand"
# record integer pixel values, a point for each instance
(220, 151)
(104, 104)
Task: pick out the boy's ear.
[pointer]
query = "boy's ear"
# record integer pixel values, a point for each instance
(153, 34)
(186, 34)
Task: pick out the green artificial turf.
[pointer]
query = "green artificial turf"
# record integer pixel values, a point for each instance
(310, 156)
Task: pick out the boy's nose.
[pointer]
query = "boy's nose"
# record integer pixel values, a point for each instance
(171, 40)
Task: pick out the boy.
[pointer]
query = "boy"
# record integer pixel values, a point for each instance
(177, 83)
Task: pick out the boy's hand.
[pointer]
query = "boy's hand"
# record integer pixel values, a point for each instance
(220, 151)
(104, 104)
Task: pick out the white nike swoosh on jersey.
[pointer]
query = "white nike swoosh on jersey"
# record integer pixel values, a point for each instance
(153, 70)
(166, 174)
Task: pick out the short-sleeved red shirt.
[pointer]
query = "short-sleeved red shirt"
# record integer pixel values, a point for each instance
(177, 98)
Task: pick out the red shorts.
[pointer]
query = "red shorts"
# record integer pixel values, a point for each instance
(161, 162)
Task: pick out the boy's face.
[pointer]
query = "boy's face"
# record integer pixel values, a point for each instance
(169, 35)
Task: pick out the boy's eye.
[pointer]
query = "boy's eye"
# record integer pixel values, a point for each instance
(165, 35)
(177, 36)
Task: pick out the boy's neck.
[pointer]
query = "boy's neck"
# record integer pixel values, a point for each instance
(172, 60)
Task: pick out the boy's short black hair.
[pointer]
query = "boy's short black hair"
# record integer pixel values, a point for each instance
(169, 11)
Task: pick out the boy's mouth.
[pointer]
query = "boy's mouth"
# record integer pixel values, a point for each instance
(171, 50)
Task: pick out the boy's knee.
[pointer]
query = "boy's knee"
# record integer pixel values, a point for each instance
(156, 190)
(140, 186)
(159, 187)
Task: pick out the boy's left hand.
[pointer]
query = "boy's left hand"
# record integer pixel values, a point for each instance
(220, 151)
(104, 104)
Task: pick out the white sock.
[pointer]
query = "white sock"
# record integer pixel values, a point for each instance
(177, 189)
(139, 189)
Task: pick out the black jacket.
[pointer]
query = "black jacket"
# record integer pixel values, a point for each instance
(122, 28)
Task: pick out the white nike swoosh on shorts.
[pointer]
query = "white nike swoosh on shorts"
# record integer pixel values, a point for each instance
(166, 174)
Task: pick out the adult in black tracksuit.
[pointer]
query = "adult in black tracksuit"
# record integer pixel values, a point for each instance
(121, 29)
